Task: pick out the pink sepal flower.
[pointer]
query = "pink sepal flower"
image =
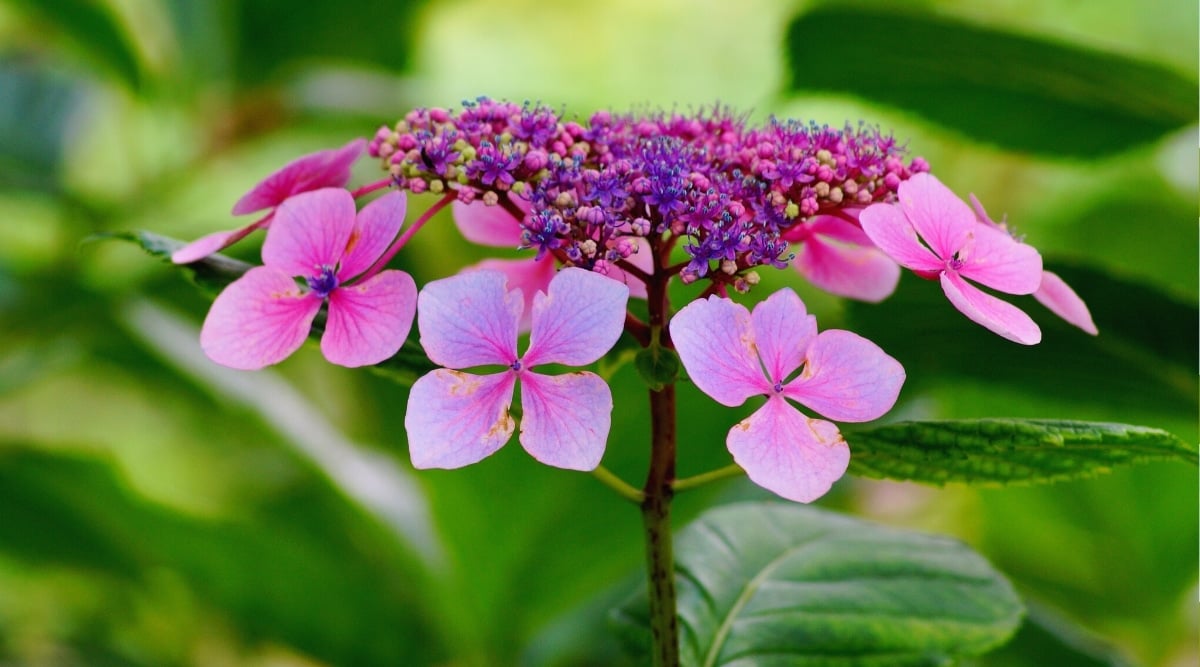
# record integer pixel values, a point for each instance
(1054, 293)
(494, 226)
(455, 418)
(323, 169)
(932, 232)
(837, 256)
(732, 354)
(264, 316)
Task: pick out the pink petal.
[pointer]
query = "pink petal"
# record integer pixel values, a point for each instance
(838, 228)
(1001, 262)
(984, 309)
(860, 272)
(323, 169)
(215, 242)
(374, 230)
(783, 330)
(469, 320)
(1056, 295)
(941, 219)
(489, 225)
(577, 320)
(981, 215)
(847, 377)
(369, 321)
(716, 345)
(785, 452)
(310, 230)
(565, 418)
(530, 276)
(887, 227)
(260, 319)
(455, 419)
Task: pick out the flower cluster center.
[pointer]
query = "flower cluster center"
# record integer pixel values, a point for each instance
(324, 281)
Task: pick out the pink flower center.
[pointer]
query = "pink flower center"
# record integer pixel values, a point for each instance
(324, 282)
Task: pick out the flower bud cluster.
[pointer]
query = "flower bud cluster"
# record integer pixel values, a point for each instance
(597, 190)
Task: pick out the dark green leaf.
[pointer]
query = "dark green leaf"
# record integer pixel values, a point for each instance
(1144, 358)
(92, 26)
(1006, 450)
(774, 584)
(1015, 91)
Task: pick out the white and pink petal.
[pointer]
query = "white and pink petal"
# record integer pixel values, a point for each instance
(565, 418)
(715, 341)
(891, 231)
(469, 320)
(1058, 296)
(943, 221)
(577, 320)
(782, 330)
(861, 272)
(847, 377)
(310, 231)
(1001, 262)
(455, 419)
(986, 310)
(787, 453)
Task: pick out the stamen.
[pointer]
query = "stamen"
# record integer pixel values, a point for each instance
(324, 282)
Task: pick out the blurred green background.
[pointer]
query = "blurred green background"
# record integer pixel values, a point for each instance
(158, 510)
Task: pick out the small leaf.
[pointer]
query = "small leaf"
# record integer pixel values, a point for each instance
(775, 584)
(1016, 91)
(1006, 450)
(657, 365)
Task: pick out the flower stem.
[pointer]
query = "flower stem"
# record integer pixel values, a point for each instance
(658, 491)
(623, 488)
(731, 470)
(656, 518)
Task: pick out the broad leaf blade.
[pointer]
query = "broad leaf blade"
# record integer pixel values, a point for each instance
(1006, 450)
(775, 584)
(1014, 91)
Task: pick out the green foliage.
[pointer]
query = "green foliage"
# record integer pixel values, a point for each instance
(657, 365)
(1046, 638)
(265, 570)
(1002, 451)
(1015, 91)
(91, 26)
(780, 584)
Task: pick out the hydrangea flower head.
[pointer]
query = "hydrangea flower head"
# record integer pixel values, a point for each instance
(732, 354)
(455, 418)
(932, 232)
(264, 316)
(323, 169)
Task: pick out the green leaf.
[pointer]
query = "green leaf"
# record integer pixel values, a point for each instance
(774, 584)
(92, 26)
(1143, 360)
(1006, 450)
(657, 365)
(1016, 91)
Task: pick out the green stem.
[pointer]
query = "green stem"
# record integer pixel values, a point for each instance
(656, 518)
(617, 484)
(731, 470)
(658, 491)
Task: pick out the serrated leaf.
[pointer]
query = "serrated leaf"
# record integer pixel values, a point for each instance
(92, 26)
(1015, 91)
(775, 584)
(1002, 451)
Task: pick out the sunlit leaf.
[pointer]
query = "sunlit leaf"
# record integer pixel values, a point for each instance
(775, 584)
(1006, 450)
(1016, 91)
